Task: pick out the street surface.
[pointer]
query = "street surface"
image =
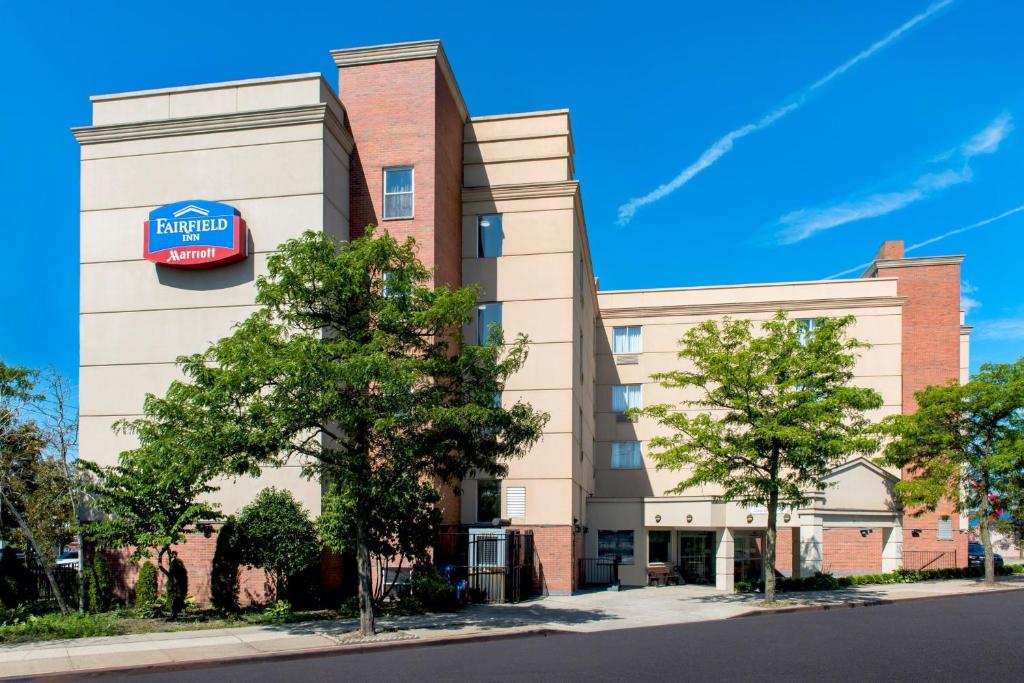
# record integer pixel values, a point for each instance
(975, 638)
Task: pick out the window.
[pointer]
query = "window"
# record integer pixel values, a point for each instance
(624, 397)
(489, 235)
(626, 339)
(516, 501)
(807, 326)
(488, 318)
(626, 455)
(579, 354)
(945, 531)
(390, 289)
(657, 546)
(488, 500)
(398, 199)
(612, 545)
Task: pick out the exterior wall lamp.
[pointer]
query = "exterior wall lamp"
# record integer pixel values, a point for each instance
(750, 518)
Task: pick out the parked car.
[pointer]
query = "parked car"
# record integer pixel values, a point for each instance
(976, 556)
(68, 559)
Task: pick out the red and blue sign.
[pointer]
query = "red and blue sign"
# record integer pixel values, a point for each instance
(195, 234)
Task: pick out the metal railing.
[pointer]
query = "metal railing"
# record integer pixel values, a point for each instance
(920, 560)
(596, 572)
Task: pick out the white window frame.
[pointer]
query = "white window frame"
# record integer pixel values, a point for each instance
(640, 394)
(639, 339)
(636, 452)
(807, 327)
(385, 194)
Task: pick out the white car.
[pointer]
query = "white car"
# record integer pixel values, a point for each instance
(68, 559)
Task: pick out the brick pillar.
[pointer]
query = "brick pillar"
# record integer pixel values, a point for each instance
(930, 355)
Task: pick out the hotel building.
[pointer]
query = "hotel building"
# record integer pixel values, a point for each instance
(491, 201)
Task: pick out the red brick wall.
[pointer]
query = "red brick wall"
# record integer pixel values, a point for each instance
(403, 114)
(554, 561)
(846, 552)
(784, 550)
(931, 355)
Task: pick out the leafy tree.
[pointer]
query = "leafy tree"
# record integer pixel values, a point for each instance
(152, 498)
(354, 367)
(274, 533)
(965, 444)
(777, 413)
(25, 475)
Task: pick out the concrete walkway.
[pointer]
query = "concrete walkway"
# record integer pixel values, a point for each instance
(587, 612)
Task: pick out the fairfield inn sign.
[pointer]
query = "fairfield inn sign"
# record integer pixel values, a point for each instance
(195, 234)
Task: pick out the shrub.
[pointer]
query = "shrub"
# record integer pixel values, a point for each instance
(279, 612)
(145, 588)
(224, 574)
(274, 533)
(54, 625)
(432, 592)
(177, 587)
(99, 587)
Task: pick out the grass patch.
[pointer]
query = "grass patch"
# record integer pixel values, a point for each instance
(822, 581)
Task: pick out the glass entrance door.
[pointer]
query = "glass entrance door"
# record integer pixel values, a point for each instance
(697, 557)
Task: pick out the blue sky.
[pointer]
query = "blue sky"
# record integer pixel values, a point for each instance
(811, 131)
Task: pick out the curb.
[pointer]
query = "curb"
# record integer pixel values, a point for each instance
(332, 651)
(866, 603)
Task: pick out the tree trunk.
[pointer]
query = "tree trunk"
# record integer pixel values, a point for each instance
(35, 547)
(769, 547)
(168, 578)
(366, 621)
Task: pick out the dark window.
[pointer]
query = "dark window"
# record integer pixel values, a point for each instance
(615, 544)
(657, 546)
(489, 236)
(488, 319)
(488, 500)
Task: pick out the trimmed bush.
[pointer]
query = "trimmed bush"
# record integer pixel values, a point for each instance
(822, 581)
(99, 588)
(145, 587)
(224, 574)
(177, 588)
(432, 592)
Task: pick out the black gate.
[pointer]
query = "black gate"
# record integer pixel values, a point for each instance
(491, 565)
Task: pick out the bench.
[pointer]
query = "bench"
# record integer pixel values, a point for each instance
(661, 575)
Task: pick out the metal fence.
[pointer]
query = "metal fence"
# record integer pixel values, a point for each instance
(492, 565)
(929, 559)
(38, 588)
(597, 572)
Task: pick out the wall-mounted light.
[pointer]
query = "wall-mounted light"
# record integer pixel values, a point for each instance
(657, 518)
(864, 533)
(750, 518)
(576, 525)
(916, 533)
(786, 517)
(689, 518)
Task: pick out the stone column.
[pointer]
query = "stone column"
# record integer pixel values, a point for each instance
(725, 560)
(810, 544)
(892, 550)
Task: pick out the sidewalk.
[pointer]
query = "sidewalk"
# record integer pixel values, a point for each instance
(587, 612)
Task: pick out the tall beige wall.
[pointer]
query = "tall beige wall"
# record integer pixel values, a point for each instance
(666, 315)
(520, 166)
(275, 149)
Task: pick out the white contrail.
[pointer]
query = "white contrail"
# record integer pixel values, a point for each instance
(724, 144)
(937, 238)
(803, 223)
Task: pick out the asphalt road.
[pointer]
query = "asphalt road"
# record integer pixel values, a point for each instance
(977, 638)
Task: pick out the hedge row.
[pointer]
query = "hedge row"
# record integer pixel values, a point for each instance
(824, 581)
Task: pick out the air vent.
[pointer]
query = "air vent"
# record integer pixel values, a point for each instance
(627, 358)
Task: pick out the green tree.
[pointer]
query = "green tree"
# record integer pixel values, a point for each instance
(773, 413)
(964, 444)
(26, 476)
(274, 533)
(355, 367)
(152, 498)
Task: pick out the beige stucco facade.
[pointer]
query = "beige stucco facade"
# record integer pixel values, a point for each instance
(286, 154)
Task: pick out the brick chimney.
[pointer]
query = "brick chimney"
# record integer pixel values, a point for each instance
(890, 249)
